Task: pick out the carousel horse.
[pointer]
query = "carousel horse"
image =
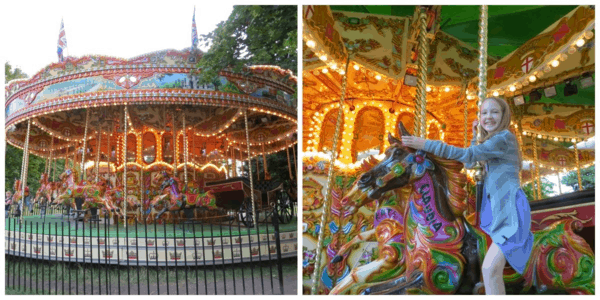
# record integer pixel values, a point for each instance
(19, 194)
(92, 193)
(173, 200)
(428, 246)
(170, 199)
(44, 193)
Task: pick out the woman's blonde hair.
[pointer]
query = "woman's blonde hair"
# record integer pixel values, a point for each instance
(504, 123)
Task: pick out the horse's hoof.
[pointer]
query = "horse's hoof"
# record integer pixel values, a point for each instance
(337, 259)
(479, 289)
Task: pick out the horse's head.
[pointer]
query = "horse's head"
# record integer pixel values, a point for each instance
(159, 178)
(400, 167)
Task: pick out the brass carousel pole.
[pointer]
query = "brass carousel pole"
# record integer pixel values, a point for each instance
(327, 200)
(537, 169)
(250, 170)
(174, 146)
(24, 168)
(533, 181)
(52, 168)
(559, 188)
(481, 94)
(287, 151)
(125, 167)
(194, 160)
(264, 161)
(185, 154)
(294, 157)
(98, 144)
(87, 123)
(420, 105)
(578, 165)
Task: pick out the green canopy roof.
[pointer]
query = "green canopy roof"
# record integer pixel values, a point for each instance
(509, 26)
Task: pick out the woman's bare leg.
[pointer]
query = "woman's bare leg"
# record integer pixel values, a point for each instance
(492, 269)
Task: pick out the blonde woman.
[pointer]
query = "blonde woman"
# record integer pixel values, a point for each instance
(505, 213)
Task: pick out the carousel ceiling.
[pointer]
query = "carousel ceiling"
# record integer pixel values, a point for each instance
(526, 58)
(162, 94)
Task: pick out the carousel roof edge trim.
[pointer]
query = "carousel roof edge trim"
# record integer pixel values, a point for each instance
(92, 100)
(138, 63)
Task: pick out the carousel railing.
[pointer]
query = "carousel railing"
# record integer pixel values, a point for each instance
(60, 256)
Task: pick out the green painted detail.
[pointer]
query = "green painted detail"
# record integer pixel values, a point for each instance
(441, 276)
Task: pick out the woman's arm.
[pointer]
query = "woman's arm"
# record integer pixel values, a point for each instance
(494, 147)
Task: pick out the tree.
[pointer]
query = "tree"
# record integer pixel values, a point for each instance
(277, 166)
(14, 156)
(252, 35)
(547, 188)
(10, 75)
(587, 179)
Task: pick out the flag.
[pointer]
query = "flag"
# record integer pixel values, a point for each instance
(62, 41)
(194, 31)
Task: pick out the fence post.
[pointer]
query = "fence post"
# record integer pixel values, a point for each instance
(275, 221)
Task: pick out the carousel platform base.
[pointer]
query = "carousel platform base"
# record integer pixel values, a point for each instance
(56, 239)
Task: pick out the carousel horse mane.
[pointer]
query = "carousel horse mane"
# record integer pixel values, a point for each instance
(455, 183)
(448, 179)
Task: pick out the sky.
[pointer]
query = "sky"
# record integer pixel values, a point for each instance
(122, 29)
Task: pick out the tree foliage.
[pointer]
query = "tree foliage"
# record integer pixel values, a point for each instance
(13, 157)
(587, 179)
(277, 166)
(252, 35)
(11, 74)
(547, 189)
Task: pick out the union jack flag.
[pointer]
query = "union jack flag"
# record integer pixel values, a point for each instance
(194, 31)
(62, 41)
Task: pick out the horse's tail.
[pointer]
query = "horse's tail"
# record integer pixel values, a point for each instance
(560, 259)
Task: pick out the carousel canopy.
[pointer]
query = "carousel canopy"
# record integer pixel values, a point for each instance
(544, 68)
(160, 89)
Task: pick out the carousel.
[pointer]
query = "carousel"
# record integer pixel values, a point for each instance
(145, 143)
(374, 73)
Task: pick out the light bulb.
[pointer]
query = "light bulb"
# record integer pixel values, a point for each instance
(555, 63)
(580, 42)
(532, 78)
(356, 67)
(310, 43)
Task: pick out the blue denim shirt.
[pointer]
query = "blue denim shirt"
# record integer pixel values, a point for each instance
(501, 181)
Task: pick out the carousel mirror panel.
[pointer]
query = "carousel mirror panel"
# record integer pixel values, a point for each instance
(149, 147)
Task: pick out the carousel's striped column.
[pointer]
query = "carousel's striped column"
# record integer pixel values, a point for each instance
(481, 94)
(536, 161)
(125, 167)
(578, 166)
(327, 204)
(255, 217)
(174, 146)
(85, 132)
(24, 168)
(421, 103)
(52, 167)
(98, 144)
(185, 154)
(287, 152)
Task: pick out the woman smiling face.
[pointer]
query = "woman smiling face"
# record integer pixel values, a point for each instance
(491, 115)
